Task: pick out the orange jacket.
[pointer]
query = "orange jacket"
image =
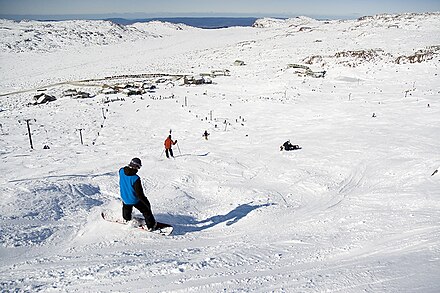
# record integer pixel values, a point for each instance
(168, 143)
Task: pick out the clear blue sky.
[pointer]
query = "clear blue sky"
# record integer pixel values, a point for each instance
(217, 7)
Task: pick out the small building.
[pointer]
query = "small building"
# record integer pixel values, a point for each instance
(70, 93)
(221, 72)
(43, 98)
(109, 91)
(303, 70)
(82, 95)
(148, 86)
(74, 94)
(190, 79)
(133, 91)
(317, 74)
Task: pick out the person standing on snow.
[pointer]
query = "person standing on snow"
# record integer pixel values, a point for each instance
(205, 134)
(168, 144)
(132, 194)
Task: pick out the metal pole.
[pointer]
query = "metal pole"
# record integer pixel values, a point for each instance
(80, 135)
(29, 131)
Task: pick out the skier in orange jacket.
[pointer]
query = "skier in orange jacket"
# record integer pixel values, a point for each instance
(168, 144)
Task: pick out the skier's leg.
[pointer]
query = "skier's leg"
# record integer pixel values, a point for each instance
(126, 211)
(146, 212)
(166, 153)
(171, 153)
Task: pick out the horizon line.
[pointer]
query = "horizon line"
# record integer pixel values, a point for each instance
(137, 15)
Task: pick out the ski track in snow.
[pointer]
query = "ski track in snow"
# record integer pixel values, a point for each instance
(355, 210)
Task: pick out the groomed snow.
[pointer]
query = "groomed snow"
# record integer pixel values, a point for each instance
(357, 209)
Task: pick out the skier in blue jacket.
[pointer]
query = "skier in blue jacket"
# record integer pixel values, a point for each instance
(132, 193)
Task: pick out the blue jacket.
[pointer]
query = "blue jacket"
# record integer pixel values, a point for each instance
(127, 187)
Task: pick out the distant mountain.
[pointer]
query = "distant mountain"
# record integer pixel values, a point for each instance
(43, 36)
(200, 22)
(31, 35)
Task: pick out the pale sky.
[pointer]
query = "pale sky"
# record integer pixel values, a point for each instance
(216, 8)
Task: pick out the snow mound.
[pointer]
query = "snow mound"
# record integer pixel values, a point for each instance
(290, 22)
(41, 207)
(161, 27)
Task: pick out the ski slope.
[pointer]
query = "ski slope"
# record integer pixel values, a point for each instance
(357, 209)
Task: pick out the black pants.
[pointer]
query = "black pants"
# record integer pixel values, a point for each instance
(170, 153)
(127, 210)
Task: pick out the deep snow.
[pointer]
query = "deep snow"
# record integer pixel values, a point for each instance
(355, 210)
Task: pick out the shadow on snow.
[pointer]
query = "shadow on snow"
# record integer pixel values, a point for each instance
(187, 224)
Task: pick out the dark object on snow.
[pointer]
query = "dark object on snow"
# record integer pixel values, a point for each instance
(206, 134)
(46, 147)
(289, 147)
(434, 172)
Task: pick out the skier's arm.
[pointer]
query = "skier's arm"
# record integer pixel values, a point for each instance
(140, 192)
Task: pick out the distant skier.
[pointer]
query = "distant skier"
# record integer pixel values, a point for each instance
(205, 134)
(289, 147)
(168, 146)
(132, 194)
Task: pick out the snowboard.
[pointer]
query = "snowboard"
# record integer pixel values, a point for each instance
(139, 223)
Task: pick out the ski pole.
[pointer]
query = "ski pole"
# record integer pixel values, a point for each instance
(178, 148)
(161, 154)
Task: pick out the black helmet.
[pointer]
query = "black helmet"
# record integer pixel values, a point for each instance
(135, 163)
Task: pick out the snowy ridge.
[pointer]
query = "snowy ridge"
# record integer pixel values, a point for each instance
(42, 36)
(279, 23)
(395, 19)
(417, 20)
(161, 28)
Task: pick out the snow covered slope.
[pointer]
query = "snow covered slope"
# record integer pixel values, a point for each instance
(24, 36)
(355, 210)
